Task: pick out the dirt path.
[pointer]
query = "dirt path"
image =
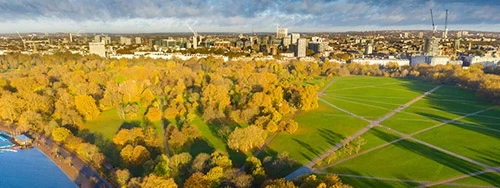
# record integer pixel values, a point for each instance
(307, 169)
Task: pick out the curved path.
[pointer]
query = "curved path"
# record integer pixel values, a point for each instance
(77, 170)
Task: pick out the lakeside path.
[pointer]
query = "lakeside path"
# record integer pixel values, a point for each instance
(77, 170)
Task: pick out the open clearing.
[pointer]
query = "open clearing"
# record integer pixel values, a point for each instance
(448, 133)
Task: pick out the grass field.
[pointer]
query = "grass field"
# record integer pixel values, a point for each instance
(475, 138)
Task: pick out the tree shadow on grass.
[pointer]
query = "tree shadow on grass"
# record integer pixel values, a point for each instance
(130, 125)
(445, 159)
(275, 171)
(106, 146)
(331, 137)
(307, 147)
(365, 182)
(493, 134)
(200, 146)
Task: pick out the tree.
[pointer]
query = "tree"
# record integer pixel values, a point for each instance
(179, 161)
(197, 180)
(135, 156)
(291, 126)
(153, 181)
(154, 114)
(60, 134)
(122, 176)
(200, 163)
(244, 139)
(214, 175)
(278, 183)
(86, 106)
(129, 136)
(162, 168)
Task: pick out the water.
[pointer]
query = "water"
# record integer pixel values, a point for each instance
(31, 168)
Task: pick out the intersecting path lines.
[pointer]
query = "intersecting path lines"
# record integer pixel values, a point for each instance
(307, 169)
(423, 183)
(440, 149)
(447, 181)
(404, 137)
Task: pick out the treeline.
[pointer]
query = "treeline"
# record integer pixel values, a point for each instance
(56, 95)
(476, 77)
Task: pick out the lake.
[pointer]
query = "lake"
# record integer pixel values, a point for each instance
(31, 168)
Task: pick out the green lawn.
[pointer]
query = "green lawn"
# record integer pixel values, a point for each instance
(373, 97)
(487, 179)
(477, 144)
(406, 160)
(318, 131)
(108, 123)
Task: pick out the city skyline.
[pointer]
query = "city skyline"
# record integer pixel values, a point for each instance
(153, 16)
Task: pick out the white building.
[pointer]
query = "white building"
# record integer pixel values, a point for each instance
(431, 46)
(430, 60)
(281, 32)
(383, 62)
(295, 37)
(125, 41)
(97, 48)
(138, 40)
(301, 47)
(486, 61)
(368, 49)
(287, 40)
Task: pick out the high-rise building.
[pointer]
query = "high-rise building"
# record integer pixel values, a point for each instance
(286, 41)
(301, 47)
(420, 35)
(97, 48)
(368, 49)
(195, 42)
(459, 34)
(407, 35)
(295, 37)
(138, 40)
(457, 44)
(97, 38)
(282, 32)
(431, 46)
(125, 41)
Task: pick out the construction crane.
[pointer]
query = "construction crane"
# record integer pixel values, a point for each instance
(445, 35)
(434, 27)
(23, 40)
(195, 38)
(32, 42)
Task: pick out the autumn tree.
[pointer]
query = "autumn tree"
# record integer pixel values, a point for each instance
(86, 106)
(244, 139)
(122, 176)
(60, 134)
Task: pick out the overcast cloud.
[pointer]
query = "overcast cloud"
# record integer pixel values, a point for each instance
(131, 16)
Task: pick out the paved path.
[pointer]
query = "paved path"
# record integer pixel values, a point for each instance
(307, 169)
(78, 170)
(424, 183)
(402, 138)
(447, 181)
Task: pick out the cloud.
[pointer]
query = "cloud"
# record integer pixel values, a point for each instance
(220, 15)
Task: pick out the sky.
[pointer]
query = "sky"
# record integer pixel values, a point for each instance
(153, 16)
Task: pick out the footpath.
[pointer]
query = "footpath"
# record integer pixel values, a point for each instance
(75, 168)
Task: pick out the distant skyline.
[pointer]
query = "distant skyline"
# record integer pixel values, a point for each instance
(154, 16)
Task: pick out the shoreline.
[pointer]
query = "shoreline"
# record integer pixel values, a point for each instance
(77, 170)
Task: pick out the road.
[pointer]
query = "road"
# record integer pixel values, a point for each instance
(307, 169)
